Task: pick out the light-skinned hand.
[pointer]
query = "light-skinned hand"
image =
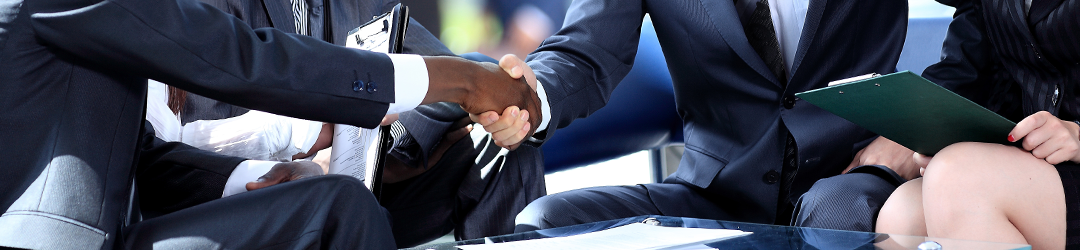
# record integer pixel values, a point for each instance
(922, 161)
(888, 153)
(504, 128)
(1048, 137)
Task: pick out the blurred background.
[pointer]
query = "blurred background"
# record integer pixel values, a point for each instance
(499, 27)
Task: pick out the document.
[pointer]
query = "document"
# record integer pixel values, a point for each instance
(911, 111)
(356, 151)
(632, 236)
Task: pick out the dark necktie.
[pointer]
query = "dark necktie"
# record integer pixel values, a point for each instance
(762, 36)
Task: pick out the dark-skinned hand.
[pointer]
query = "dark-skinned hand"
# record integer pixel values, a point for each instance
(286, 172)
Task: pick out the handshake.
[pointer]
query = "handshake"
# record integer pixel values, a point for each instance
(496, 96)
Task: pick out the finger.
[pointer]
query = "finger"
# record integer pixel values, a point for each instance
(1038, 137)
(513, 65)
(1027, 125)
(505, 121)
(486, 118)
(1061, 155)
(273, 177)
(854, 162)
(506, 135)
(388, 119)
(921, 160)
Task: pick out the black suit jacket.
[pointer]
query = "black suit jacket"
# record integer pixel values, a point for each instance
(1013, 63)
(476, 194)
(733, 108)
(343, 16)
(73, 88)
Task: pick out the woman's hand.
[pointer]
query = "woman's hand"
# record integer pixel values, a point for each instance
(1048, 137)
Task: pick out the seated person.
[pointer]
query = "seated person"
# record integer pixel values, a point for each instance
(1021, 63)
(441, 177)
(754, 152)
(74, 73)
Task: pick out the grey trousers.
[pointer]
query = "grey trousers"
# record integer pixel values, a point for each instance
(845, 202)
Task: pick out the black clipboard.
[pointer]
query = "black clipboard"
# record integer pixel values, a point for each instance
(384, 33)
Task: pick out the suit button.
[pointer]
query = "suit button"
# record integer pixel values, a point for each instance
(771, 177)
(358, 86)
(372, 87)
(789, 102)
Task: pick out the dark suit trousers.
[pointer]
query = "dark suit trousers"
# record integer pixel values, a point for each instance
(846, 202)
(333, 211)
(473, 190)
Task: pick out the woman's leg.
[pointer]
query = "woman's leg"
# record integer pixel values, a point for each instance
(992, 192)
(903, 213)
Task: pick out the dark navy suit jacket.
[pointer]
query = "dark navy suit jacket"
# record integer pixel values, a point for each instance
(1011, 62)
(73, 91)
(733, 109)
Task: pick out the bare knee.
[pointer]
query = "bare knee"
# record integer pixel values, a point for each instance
(903, 212)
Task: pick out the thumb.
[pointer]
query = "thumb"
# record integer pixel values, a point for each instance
(269, 179)
(512, 65)
(921, 161)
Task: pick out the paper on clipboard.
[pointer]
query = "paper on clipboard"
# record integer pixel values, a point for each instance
(356, 151)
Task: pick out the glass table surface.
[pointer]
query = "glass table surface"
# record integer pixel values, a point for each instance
(763, 236)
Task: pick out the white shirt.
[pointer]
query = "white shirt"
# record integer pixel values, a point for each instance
(410, 88)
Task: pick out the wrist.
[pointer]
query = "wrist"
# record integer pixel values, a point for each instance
(449, 79)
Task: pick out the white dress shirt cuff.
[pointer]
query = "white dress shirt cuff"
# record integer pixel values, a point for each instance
(545, 110)
(247, 171)
(410, 82)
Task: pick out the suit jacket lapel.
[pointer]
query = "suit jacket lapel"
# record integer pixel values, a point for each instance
(810, 27)
(1036, 14)
(1016, 12)
(280, 12)
(726, 19)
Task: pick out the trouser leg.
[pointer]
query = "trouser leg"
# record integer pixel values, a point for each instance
(845, 202)
(314, 213)
(615, 202)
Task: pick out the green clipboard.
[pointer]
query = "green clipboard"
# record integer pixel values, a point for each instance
(912, 111)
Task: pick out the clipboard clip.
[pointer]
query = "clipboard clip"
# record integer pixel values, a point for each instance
(854, 79)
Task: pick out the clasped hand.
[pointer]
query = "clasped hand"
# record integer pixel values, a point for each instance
(510, 128)
(486, 90)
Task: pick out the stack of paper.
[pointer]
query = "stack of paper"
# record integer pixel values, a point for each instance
(633, 236)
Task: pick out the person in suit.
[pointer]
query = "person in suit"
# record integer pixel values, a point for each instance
(1019, 59)
(754, 152)
(441, 178)
(73, 80)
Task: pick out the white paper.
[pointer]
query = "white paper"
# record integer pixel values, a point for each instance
(633, 236)
(353, 151)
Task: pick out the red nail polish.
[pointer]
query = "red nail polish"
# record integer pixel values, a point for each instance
(1011, 139)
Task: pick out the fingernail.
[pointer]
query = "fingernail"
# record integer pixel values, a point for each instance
(1011, 139)
(525, 115)
(516, 70)
(514, 112)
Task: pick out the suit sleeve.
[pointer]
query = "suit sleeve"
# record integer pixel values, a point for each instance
(198, 48)
(969, 64)
(173, 176)
(583, 62)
